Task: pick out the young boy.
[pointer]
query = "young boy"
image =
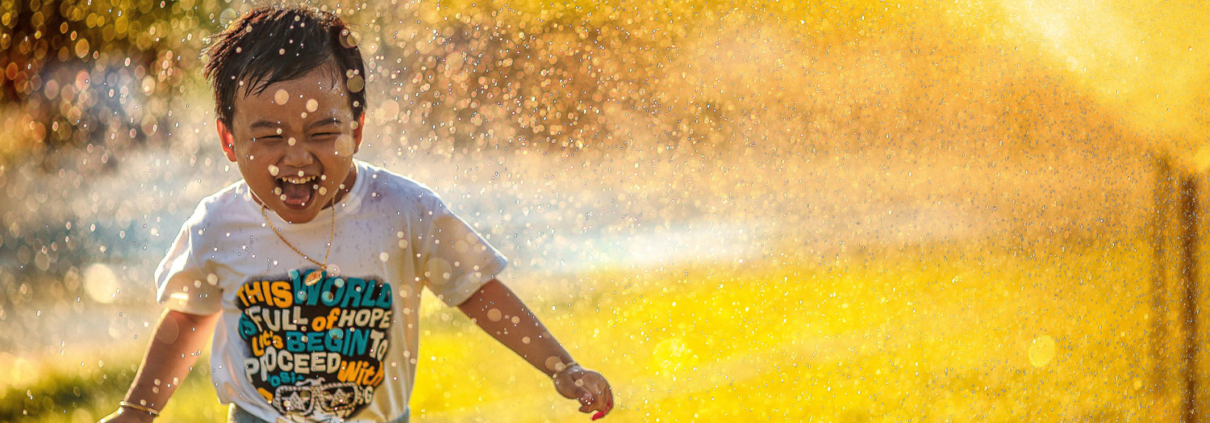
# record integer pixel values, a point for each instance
(308, 272)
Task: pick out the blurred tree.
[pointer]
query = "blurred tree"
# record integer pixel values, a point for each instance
(82, 73)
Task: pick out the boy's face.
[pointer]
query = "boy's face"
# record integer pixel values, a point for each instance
(294, 143)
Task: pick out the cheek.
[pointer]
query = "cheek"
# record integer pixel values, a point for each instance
(260, 153)
(344, 146)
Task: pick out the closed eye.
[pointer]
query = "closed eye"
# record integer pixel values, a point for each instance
(267, 138)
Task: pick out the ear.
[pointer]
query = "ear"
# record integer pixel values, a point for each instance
(361, 124)
(226, 139)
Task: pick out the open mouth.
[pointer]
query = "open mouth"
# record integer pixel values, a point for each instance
(296, 191)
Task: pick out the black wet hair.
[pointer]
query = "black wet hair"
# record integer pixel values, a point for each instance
(278, 43)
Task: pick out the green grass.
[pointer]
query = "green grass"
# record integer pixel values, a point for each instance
(934, 333)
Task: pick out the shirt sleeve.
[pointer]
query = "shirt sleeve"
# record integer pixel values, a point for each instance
(455, 260)
(183, 282)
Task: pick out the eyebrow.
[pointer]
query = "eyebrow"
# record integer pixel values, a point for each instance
(270, 125)
(262, 124)
(324, 122)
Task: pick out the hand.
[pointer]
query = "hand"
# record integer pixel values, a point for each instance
(589, 387)
(126, 415)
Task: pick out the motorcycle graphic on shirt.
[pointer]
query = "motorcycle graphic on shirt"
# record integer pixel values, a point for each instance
(315, 352)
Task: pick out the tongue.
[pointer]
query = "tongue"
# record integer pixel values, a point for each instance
(296, 194)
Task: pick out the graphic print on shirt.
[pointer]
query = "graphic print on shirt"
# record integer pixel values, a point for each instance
(315, 352)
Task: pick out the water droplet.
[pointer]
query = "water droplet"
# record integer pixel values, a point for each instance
(274, 170)
(1041, 351)
(312, 105)
(494, 315)
(100, 282)
(82, 48)
(356, 84)
(349, 39)
(281, 97)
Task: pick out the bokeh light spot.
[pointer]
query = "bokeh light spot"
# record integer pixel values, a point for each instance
(281, 97)
(356, 83)
(100, 283)
(1041, 351)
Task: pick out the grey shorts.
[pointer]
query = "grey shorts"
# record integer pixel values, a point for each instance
(239, 415)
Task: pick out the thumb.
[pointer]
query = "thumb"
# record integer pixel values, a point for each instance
(586, 402)
(587, 399)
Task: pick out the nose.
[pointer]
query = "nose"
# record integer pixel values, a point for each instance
(298, 155)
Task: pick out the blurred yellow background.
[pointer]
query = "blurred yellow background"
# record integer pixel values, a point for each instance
(852, 211)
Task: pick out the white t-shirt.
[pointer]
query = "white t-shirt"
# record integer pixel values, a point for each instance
(345, 347)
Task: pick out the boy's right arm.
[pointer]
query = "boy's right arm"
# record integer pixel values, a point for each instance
(178, 339)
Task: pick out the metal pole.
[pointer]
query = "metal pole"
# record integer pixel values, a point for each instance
(1189, 227)
(1159, 281)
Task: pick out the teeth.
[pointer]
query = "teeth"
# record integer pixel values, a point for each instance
(298, 180)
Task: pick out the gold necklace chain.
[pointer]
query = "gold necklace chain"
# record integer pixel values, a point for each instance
(314, 277)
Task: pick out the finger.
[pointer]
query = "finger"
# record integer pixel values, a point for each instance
(604, 403)
(586, 403)
(587, 399)
(600, 390)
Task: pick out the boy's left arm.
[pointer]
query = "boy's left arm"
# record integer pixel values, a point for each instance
(502, 315)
